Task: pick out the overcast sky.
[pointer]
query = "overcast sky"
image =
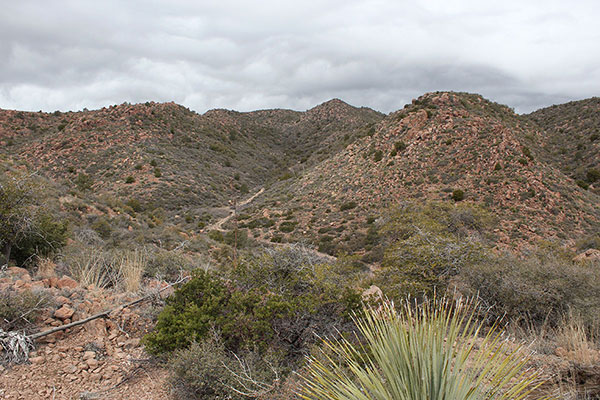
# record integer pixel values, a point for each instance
(247, 55)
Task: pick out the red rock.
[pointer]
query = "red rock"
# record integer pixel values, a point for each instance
(66, 282)
(65, 312)
(18, 271)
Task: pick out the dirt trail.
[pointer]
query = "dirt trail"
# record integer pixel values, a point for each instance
(218, 226)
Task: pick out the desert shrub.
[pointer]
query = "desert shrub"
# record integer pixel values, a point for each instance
(135, 204)
(458, 195)
(544, 286)
(46, 235)
(592, 175)
(216, 235)
(582, 184)
(348, 205)
(157, 172)
(244, 188)
(206, 370)
(275, 301)
(287, 226)
(83, 181)
(130, 179)
(236, 237)
(205, 302)
(426, 244)
(103, 227)
(18, 310)
(588, 242)
(399, 146)
(377, 156)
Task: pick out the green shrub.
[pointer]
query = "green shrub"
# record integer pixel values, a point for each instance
(18, 310)
(103, 227)
(348, 205)
(216, 235)
(238, 237)
(592, 175)
(157, 172)
(47, 235)
(83, 181)
(244, 188)
(582, 184)
(243, 317)
(377, 156)
(130, 179)
(153, 163)
(287, 226)
(427, 244)
(399, 146)
(458, 195)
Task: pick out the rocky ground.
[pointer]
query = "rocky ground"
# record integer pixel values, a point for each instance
(101, 359)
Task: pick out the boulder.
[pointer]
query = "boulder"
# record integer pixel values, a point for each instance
(63, 313)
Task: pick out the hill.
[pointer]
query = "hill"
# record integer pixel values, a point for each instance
(441, 145)
(572, 139)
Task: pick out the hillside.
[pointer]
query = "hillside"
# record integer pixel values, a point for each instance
(440, 143)
(167, 155)
(572, 139)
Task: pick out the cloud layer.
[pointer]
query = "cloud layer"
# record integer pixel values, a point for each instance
(71, 54)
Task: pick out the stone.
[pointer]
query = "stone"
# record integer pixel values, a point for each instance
(66, 283)
(88, 355)
(588, 255)
(92, 362)
(17, 271)
(37, 360)
(62, 300)
(63, 313)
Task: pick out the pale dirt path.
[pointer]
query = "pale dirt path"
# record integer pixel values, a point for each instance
(218, 226)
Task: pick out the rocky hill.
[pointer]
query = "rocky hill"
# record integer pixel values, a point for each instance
(446, 147)
(572, 139)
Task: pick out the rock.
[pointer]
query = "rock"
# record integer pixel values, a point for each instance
(587, 256)
(65, 312)
(372, 292)
(131, 343)
(37, 360)
(66, 283)
(17, 271)
(89, 355)
(62, 300)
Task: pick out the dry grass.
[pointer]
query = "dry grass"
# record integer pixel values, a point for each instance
(576, 342)
(90, 267)
(46, 268)
(131, 269)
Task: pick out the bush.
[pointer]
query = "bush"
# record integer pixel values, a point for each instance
(378, 155)
(83, 181)
(458, 195)
(17, 309)
(399, 146)
(130, 179)
(582, 184)
(206, 370)
(541, 288)
(205, 302)
(46, 236)
(593, 175)
(427, 244)
(348, 205)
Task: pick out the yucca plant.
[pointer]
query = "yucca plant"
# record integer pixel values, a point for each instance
(427, 352)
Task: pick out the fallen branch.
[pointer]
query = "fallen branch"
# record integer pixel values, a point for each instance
(103, 313)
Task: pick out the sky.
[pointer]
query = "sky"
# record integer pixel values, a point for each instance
(247, 55)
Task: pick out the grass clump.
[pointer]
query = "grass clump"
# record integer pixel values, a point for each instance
(424, 352)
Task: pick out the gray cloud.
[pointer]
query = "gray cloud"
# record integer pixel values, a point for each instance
(71, 54)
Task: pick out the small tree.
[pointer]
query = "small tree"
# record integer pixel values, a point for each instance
(26, 228)
(16, 213)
